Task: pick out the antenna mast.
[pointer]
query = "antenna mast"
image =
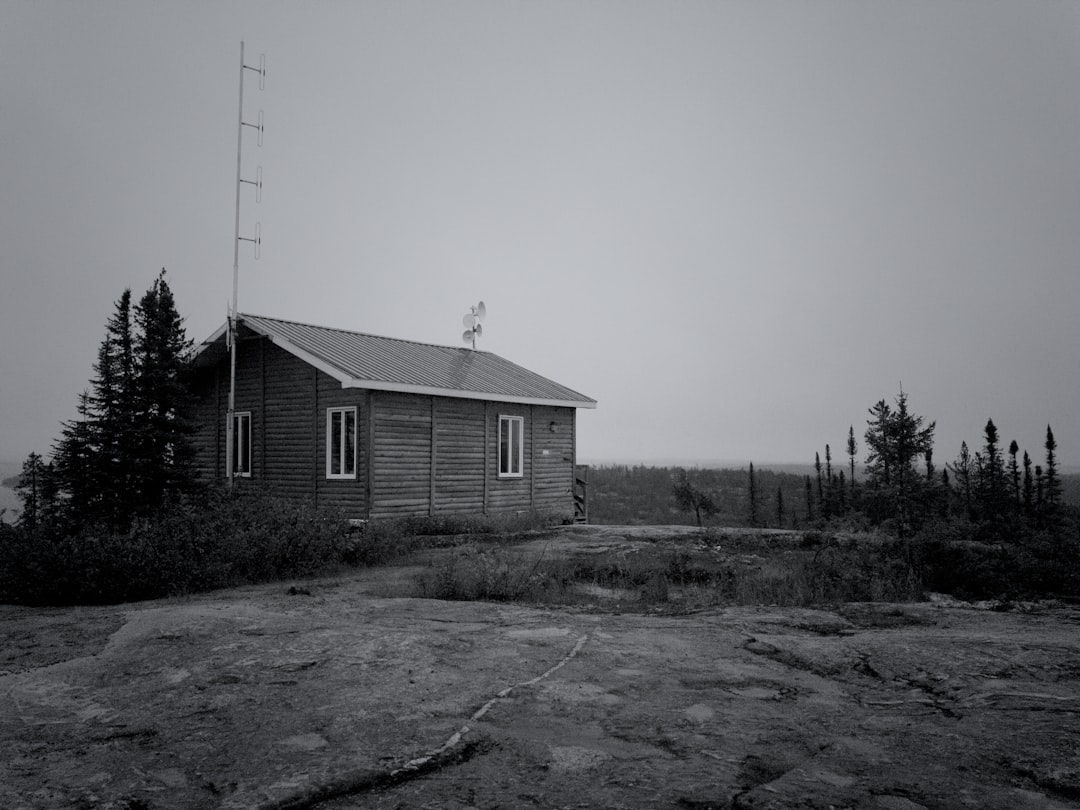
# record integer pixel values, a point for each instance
(232, 333)
(471, 322)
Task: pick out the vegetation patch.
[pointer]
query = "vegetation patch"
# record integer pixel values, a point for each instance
(214, 540)
(683, 574)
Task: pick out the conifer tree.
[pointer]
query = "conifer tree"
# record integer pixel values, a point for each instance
(990, 483)
(828, 502)
(1029, 487)
(127, 447)
(162, 350)
(779, 507)
(754, 518)
(1039, 481)
(820, 492)
(896, 439)
(877, 444)
(1014, 472)
(1052, 483)
(962, 470)
(73, 459)
(37, 493)
(852, 449)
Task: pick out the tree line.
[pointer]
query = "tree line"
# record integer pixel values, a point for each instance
(128, 449)
(117, 513)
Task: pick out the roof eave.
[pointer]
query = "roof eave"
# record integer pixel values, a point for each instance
(348, 381)
(405, 388)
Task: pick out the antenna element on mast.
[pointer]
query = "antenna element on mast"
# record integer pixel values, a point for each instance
(232, 323)
(473, 327)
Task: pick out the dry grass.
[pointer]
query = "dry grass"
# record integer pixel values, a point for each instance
(682, 573)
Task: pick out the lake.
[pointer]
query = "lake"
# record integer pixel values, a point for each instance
(10, 501)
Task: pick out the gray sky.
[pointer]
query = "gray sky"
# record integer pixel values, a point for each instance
(735, 224)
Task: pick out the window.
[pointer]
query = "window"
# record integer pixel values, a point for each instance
(511, 435)
(341, 442)
(241, 444)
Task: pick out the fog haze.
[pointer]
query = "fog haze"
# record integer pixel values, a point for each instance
(736, 225)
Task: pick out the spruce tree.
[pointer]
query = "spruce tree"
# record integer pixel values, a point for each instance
(128, 446)
(830, 508)
(754, 517)
(162, 350)
(990, 483)
(1014, 472)
(877, 444)
(895, 440)
(852, 449)
(37, 493)
(779, 507)
(962, 468)
(820, 492)
(1029, 488)
(1052, 483)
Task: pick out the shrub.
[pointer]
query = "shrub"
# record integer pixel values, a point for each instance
(196, 543)
(483, 573)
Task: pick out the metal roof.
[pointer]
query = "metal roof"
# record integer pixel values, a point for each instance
(361, 360)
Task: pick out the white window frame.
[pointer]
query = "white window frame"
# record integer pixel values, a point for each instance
(515, 467)
(338, 452)
(241, 438)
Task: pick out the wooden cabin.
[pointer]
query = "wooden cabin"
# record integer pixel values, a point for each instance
(385, 428)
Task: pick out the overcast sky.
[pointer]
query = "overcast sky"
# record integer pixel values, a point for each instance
(735, 224)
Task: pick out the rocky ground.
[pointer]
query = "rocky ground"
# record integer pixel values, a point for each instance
(330, 693)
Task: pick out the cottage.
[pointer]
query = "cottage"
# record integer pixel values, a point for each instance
(385, 428)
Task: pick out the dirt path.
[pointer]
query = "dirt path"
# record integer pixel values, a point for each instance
(256, 698)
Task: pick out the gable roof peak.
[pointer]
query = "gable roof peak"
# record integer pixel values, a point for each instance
(363, 360)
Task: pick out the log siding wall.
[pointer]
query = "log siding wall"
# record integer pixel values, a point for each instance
(416, 455)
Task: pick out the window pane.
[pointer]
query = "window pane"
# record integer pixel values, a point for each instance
(349, 466)
(241, 444)
(504, 447)
(245, 443)
(335, 442)
(516, 447)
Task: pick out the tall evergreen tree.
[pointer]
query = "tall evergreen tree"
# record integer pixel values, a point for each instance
(1029, 488)
(37, 493)
(127, 447)
(963, 471)
(162, 350)
(990, 484)
(877, 444)
(829, 506)
(74, 458)
(852, 449)
(1039, 490)
(820, 491)
(1014, 472)
(754, 516)
(1052, 484)
(779, 507)
(896, 439)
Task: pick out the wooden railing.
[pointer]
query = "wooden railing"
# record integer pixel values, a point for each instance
(581, 493)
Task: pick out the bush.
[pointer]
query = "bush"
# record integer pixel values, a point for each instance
(976, 561)
(483, 573)
(197, 543)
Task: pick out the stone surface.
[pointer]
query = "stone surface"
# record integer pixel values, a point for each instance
(254, 698)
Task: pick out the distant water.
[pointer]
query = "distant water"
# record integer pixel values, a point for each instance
(10, 501)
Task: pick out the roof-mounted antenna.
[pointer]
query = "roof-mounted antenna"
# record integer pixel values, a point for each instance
(256, 240)
(473, 328)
